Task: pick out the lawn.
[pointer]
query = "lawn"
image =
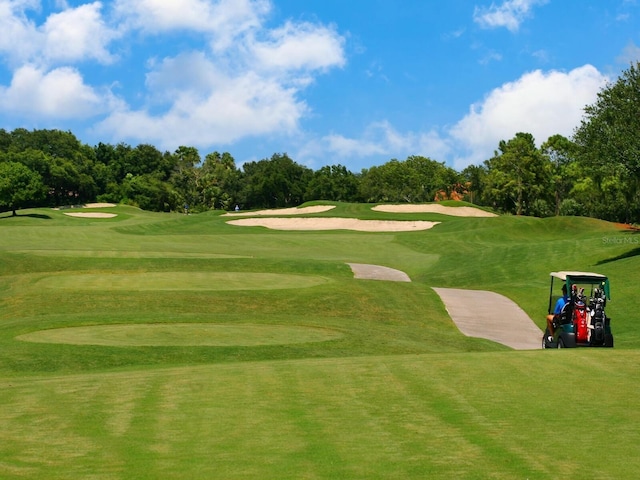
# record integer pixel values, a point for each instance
(172, 346)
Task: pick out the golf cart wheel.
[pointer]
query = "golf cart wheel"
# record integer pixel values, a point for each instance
(544, 338)
(608, 340)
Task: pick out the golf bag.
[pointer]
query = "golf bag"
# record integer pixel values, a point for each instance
(580, 323)
(598, 317)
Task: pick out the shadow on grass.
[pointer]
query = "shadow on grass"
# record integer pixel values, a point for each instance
(631, 253)
(4, 216)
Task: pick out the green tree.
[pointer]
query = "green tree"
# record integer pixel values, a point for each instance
(417, 179)
(186, 177)
(149, 192)
(274, 183)
(333, 182)
(517, 176)
(474, 179)
(19, 186)
(561, 153)
(609, 141)
(219, 181)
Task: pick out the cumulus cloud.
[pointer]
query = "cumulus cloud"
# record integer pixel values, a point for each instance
(379, 139)
(509, 14)
(301, 46)
(223, 20)
(60, 93)
(77, 34)
(630, 54)
(201, 102)
(539, 103)
(72, 35)
(246, 107)
(240, 79)
(19, 39)
(201, 97)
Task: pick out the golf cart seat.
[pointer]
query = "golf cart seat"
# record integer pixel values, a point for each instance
(565, 314)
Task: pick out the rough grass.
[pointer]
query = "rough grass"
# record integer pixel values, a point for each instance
(398, 392)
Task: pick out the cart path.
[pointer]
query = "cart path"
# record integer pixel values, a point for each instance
(483, 314)
(476, 313)
(376, 272)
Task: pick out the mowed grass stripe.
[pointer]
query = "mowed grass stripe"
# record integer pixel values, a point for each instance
(182, 334)
(180, 281)
(431, 416)
(124, 254)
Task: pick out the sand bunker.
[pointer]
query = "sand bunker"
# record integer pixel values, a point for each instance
(91, 214)
(434, 208)
(82, 214)
(99, 205)
(333, 223)
(283, 211)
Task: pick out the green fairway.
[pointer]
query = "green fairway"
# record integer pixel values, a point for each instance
(171, 346)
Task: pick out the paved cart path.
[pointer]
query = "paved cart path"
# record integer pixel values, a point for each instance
(482, 314)
(476, 313)
(376, 272)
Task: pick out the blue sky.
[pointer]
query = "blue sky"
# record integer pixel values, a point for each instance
(355, 82)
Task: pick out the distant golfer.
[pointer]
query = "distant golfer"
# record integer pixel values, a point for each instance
(560, 304)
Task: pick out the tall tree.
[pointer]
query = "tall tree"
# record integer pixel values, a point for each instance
(219, 181)
(417, 179)
(333, 182)
(561, 153)
(609, 140)
(518, 175)
(19, 186)
(276, 182)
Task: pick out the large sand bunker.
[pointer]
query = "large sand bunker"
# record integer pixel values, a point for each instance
(99, 205)
(93, 214)
(434, 208)
(283, 211)
(334, 223)
(90, 214)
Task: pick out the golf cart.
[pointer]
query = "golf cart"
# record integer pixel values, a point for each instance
(577, 318)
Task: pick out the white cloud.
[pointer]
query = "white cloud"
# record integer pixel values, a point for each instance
(216, 96)
(241, 79)
(60, 93)
(205, 105)
(72, 35)
(301, 46)
(539, 103)
(509, 15)
(379, 139)
(18, 40)
(490, 57)
(77, 34)
(543, 104)
(224, 20)
(630, 54)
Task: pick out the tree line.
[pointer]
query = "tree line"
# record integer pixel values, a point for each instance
(595, 173)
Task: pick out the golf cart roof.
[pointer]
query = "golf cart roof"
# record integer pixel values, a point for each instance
(576, 277)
